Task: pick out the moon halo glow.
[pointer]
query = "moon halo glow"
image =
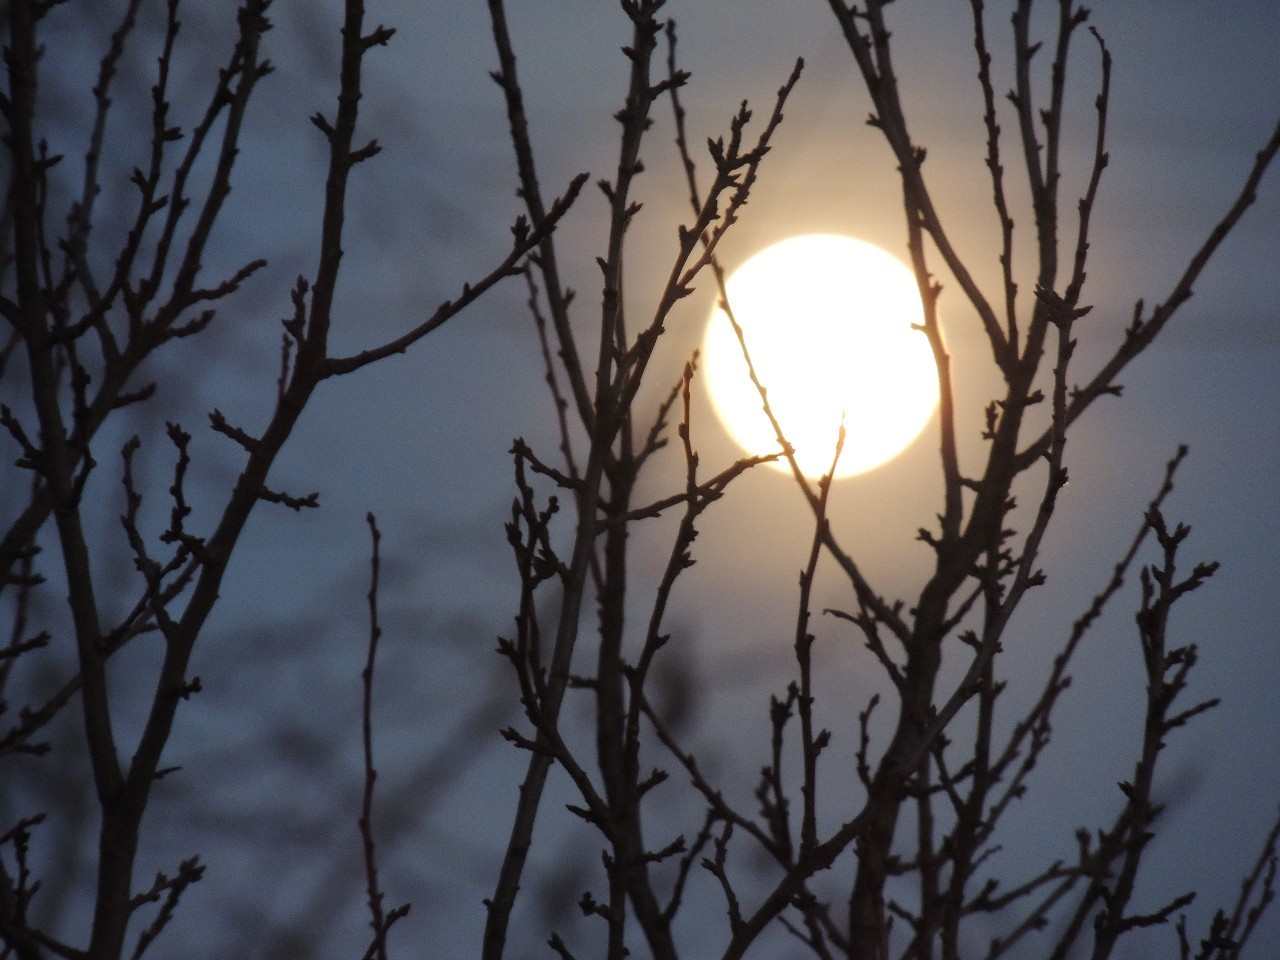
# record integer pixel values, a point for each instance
(828, 323)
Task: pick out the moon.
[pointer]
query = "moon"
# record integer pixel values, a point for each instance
(828, 323)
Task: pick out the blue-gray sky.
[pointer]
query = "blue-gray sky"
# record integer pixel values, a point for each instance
(422, 440)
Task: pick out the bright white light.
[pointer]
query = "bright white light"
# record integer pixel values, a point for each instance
(828, 323)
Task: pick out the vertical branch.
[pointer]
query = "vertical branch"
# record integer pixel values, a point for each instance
(1069, 18)
(80, 220)
(679, 560)
(558, 296)
(1042, 161)
(380, 920)
(553, 381)
(996, 168)
(614, 425)
(341, 137)
(928, 860)
(1023, 101)
(1167, 670)
(1100, 160)
(811, 744)
(57, 461)
(574, 579)
(588, 493)
(678, 114)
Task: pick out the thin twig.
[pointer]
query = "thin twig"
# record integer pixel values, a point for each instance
(380, 920)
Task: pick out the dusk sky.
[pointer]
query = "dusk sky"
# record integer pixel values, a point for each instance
(422, 440)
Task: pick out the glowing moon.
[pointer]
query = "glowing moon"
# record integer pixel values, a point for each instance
(828, 322)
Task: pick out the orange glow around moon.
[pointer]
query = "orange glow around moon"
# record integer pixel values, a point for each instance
(828, 321)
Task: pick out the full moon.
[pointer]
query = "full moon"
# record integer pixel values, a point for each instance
(828, 322)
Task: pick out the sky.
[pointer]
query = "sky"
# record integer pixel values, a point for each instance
(423, 440)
